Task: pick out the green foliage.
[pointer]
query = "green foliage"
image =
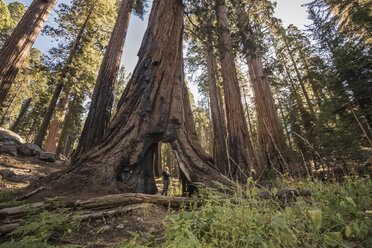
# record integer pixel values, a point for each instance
(337, 215)
(140, 239)
(9, 17)
(4, 16)
(38, 229)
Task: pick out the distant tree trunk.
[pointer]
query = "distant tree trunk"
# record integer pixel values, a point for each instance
(16, 48)
(55, 130)
(286, 128)
(68, 123)
(10, 104)
(22, 113)
(101, 105)
(155, 107)
(305, 116)
(271, 139)
(57, 91)
(218, 120)
(316, 91)
(300, 79)
(241, 153)
(271, 135)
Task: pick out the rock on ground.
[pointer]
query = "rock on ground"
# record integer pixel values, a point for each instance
(8, 137)
(48, 156)
(28, 149)
(9, 150)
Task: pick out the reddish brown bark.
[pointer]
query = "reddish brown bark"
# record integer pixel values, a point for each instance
(55, 130)
(241, 153)
(100, 108)
(155, 107)
(271, 135)
(218, 119)
(17, 47)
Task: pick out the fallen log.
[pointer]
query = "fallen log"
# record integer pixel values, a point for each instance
(9, 227)
(285, 193)
(99, 203)
(19, 210)
(120, 200)
(26, 196)
(108, 201)
(100, 214)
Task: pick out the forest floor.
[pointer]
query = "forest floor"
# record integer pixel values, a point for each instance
(17, 173)
(333, 214)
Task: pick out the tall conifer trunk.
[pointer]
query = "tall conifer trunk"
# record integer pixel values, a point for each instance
(218, 119)
(22, 113)
(101, 105)
(271, 139)
(155, 107)
(241, 153)
(300, 79)
(271, 136)
(16, 48)
(55, 130)
(66, 69)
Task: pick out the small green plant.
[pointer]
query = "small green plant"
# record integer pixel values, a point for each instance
(139, 240)
(337, 215)
(39, 228)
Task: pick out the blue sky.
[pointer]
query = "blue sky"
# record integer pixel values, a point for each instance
(290, 11)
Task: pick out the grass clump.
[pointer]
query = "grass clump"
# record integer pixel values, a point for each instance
(336, 215)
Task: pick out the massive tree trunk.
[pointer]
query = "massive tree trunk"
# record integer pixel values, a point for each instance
(100, 108)
(218, 119)
(18, 45)
(155, 107)
(241, 153)
(66, 69)
(22, 113)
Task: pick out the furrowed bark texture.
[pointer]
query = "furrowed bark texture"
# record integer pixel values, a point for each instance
(100, 108)
(17, 47)
(55, 130)
(271, 136)
(57, 91)
(241, 153)
(218, 119)
(154, 107)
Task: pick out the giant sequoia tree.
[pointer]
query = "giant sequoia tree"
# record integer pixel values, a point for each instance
(154, 107)
(15, 50)
(241, 152)
(271, 138)
(100, 108)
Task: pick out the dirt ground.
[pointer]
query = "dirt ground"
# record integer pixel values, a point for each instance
(147, 221)
(18, 173)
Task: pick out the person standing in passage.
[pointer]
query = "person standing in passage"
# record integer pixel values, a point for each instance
(166, 176)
